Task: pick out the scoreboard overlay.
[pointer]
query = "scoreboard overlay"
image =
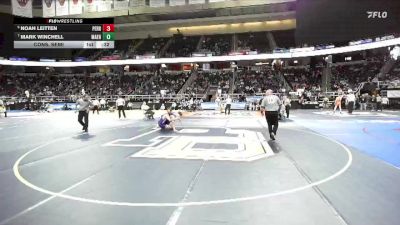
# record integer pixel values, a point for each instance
(59, 33)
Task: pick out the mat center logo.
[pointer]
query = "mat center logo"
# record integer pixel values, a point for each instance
(23, 3)
(203, 144)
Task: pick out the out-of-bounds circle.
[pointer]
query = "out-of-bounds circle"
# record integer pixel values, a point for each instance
(180, 204)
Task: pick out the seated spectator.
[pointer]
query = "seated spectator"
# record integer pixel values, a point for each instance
(171, 83)
(182, 46)
(217, 44)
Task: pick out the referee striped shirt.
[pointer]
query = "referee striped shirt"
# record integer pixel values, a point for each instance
(271, 103)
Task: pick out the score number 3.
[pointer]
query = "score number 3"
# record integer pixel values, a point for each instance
(108, 27)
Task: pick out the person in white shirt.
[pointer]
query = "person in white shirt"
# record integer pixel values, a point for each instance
(228, 105)
(3, 108)
(385, 101)
(173, 105)
(120, 106)
(28, 98)
(162, 107)
(103, 104)
(148, 113)
(96, 105)
(130, 105)
(350, 99)
(378, 103)
(191, 102)
(270, 107)
(325, 102)
(217, 103)
(287, 104)
(144, 106)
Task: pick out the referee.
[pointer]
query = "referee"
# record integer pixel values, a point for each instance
(84, 105)
(350, 99)
(120, 105)
(270, 106)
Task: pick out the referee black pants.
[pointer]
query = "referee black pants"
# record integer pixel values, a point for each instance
(272, 120)
(83, 115)
(96, 108)
(379, 106)
(228, 108)
(121, 108)
(350, 107)
(287, 109)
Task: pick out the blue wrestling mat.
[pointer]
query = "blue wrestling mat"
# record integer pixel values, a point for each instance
(377, 137)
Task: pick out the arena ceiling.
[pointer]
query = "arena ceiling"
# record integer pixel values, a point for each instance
(210, 10)
(140, 22)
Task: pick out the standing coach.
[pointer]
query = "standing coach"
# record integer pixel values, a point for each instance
(270, 107)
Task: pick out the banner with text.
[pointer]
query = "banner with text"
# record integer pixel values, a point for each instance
(197, 1)
(104, 5)
(90, 6)
(22, 8)
(49, 8)
(393, 93)
(214, 106)
(75, 7)
(157, 3)
(61, 7)
(177, 2)
(137, 3)
(121, 4)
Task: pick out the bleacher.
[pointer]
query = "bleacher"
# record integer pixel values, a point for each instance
(151, 45)
(256, 41)
(218, 44)
(284, 38)
(182, 46)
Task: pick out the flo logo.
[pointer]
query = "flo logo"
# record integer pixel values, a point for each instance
(23, 2)
(377, 14)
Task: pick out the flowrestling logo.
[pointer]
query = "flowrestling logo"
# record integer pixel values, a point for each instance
(377, 14)
(23, 3)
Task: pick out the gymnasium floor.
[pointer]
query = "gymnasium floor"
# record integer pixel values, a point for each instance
(322, 169)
